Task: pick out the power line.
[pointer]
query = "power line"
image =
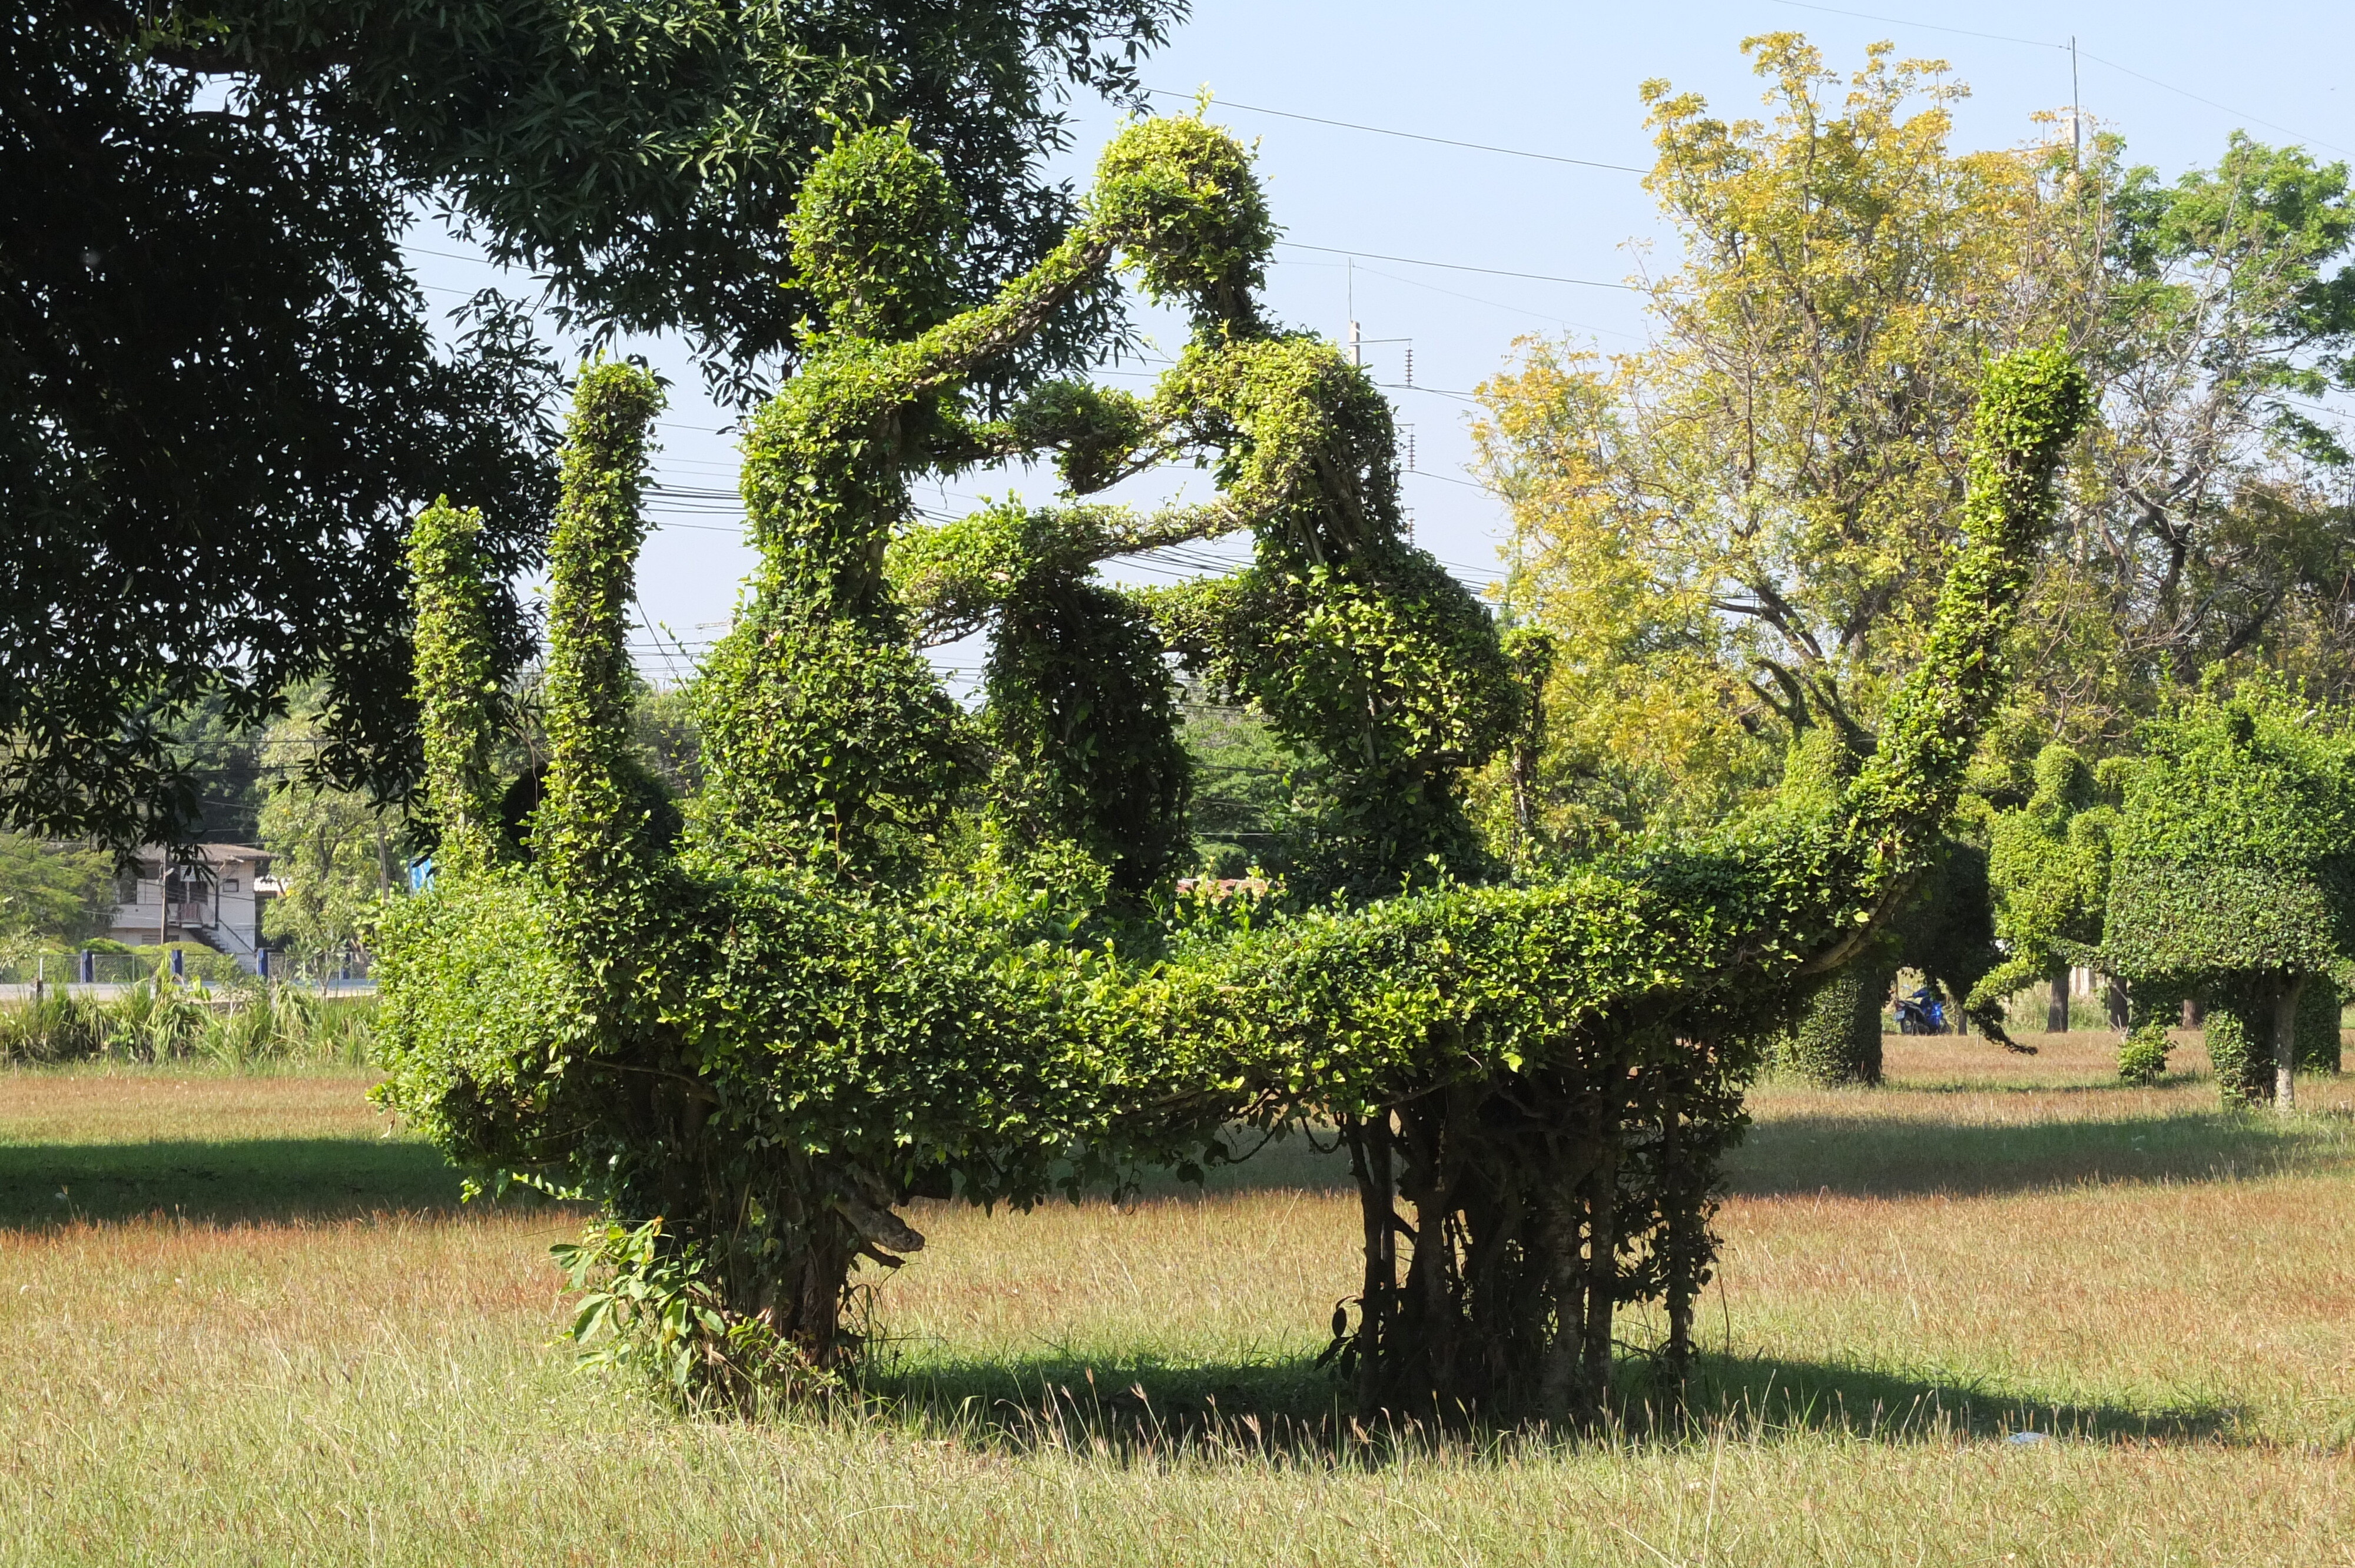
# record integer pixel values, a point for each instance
(1492, 304)
(1434, 391)
(1410, 135)
(2048, 44)
(2212, 104)
(1461, 267)
(1929, 26)
(1443, 479)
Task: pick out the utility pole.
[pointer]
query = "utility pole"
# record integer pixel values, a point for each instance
(1350, 297)
(2077, 111)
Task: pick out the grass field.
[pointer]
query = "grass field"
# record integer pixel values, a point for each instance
(239, 1323)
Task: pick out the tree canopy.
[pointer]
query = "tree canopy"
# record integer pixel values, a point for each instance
(229, 400)
(1742, 531)
(52, 892)
(1739, 531)
(2210, 518)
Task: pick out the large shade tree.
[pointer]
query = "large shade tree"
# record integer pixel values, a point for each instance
(229, 397)
(1739, 532)
(1747, 515)
(2208, 517)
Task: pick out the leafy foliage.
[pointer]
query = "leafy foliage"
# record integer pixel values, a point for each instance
(2050, 864)
(1837, 1039)
(1740, 531)
(227, 402)
(1740, 528)
(230, 398)
(337, 853)
(831, 997)
(644, 158)
(2208, 520)
(2233, 871)
(53, 892)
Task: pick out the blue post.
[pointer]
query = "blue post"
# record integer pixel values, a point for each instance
(88, 968)
(179, 964)
(261, 963)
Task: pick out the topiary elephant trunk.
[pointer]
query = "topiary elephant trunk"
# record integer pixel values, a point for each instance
(1575, 1170)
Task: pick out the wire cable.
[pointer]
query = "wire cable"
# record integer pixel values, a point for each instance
(1407, 135)
(1461, 267)
(2082, 54)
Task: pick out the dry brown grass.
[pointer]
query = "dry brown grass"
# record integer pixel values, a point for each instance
(119, 1104)
(1986, 1244)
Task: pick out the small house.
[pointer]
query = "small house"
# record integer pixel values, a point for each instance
(216, 898)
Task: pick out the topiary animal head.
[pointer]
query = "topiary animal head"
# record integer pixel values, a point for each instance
(2064, 783)
(876, 234)
(1179, 199)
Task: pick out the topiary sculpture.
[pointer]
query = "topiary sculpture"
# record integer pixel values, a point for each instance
(1943, 928)
(2234, 878)
(751, 1046)
(2050, 864)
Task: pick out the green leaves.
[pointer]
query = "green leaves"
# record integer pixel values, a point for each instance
(826, 1001)
(2236, 846)
(1179, 198)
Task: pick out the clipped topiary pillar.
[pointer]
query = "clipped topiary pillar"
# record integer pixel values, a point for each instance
(2234, 870)
(2320, 1046)
(1838, 1040)
(2240, 1039)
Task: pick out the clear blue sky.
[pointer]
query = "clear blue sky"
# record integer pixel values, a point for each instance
(1559, 80)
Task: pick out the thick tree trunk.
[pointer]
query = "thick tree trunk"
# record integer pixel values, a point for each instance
(2056, 1002)
(2285, 1043)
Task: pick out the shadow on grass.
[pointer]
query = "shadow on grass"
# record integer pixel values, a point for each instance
(247, 1179)
(1291, 1409)
(1863, 1156)
(1869, 1153)
(1766, 1394)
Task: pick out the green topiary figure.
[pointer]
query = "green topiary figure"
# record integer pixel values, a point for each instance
(2232, 876)
(753, 1047)
(1943, 928)
(2320, 1047)
(2049, 862)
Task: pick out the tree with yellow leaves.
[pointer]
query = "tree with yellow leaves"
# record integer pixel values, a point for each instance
(1738, 533)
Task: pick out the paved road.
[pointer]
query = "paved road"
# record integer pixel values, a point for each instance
(108, 990)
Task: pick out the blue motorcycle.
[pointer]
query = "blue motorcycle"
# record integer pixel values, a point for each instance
(1921, 1014)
